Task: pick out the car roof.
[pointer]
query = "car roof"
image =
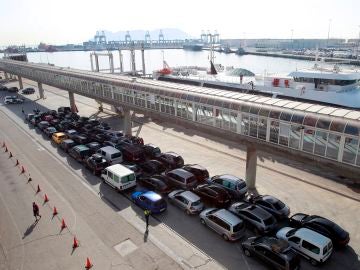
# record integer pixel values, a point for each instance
(68, 141)
(254, 209)
(227, 216)
(312, 237)
(195, 166)
(229, 177)
(181, 172)
(119, 169)
(82, 147)
(269, 199)
(171, 154)
(152, 196)
(109, 149)
(192, 197)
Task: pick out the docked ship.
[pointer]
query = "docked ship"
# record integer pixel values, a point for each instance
(193, 46)
(327, 86)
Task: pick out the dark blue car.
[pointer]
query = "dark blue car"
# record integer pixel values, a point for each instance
(149, 200)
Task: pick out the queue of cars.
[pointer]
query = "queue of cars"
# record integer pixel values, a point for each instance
(125, 161)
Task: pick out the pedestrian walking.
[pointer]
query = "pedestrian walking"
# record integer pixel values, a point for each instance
(36, 211)
(147, 215)
(22, 110)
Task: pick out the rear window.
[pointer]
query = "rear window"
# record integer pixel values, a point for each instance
(191, 179)
(196, 203)
(238, 227)
(159, 203)
(178, 160)
(116, 155)
(128, 178)
(279, 205)
(241, 185)
(268, 221)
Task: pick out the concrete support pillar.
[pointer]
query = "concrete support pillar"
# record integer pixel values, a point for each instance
(21, 86)
(251, 164)
(6, 76)
(111, 63)
(127, 124)
(91, 62)
(143, 60)
(101, 109)
(97, 68)
(41, 90)
(72, 102)
(121, 62)
(132, 61)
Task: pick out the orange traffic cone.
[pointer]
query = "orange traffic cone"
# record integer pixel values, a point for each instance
(22, 169)
(38, 189)
(6, 150)
(17, 163)
(10, 155)
(46, 199)
(76, 243)
(88, 264)
(63, 225)
(55, 212)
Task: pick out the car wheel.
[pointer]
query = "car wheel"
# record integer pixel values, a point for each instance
(225, 237)
(247, 252)
(203, 222)
(313, 262)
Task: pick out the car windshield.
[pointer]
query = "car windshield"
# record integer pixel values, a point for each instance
(279, 205)
(238, 227)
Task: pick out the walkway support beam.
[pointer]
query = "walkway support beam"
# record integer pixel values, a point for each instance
(41, 90)
(72, 102)
(251, 164)
(21, 86)
(127, 124)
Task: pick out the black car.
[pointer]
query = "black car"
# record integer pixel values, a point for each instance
(272, 205)
(171, 160)
(94, 146)
(13, 89)
(274, 252)
(151, 150)
(96, 163)
(49, 131)
(98, 137)
(3, 88)
(213, 195)
(199, 171)
(80, 152)
(322, 225)
(67, 144)
(80, 139)
(152, 167)
(64, 110)
(93, 122)
(42, 125)
(155, 183)
(28, 91)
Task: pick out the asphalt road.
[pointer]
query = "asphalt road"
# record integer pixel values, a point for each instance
(300, 196)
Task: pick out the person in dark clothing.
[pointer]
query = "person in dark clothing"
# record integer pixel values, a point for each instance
(36, 211)
(147, 215)
(22, 110)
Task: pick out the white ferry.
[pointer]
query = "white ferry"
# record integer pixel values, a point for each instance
(321, 85)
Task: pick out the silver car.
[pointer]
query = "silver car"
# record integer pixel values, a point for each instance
(229, 226)
(186, 200)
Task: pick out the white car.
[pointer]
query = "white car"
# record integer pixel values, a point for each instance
(312, 245)
(12, 100)
(186, 200)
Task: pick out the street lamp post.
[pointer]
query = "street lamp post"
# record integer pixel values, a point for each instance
(292, 42)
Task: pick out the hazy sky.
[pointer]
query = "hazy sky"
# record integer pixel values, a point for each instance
(75, 21)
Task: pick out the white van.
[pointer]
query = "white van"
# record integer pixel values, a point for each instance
(119, 177)
(312, 245)
(111, 154)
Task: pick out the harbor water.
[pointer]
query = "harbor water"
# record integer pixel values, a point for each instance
(175, 58)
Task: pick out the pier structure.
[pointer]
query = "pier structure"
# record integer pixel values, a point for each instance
(301, 131)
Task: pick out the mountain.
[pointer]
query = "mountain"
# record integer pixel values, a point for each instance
(169, 34)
